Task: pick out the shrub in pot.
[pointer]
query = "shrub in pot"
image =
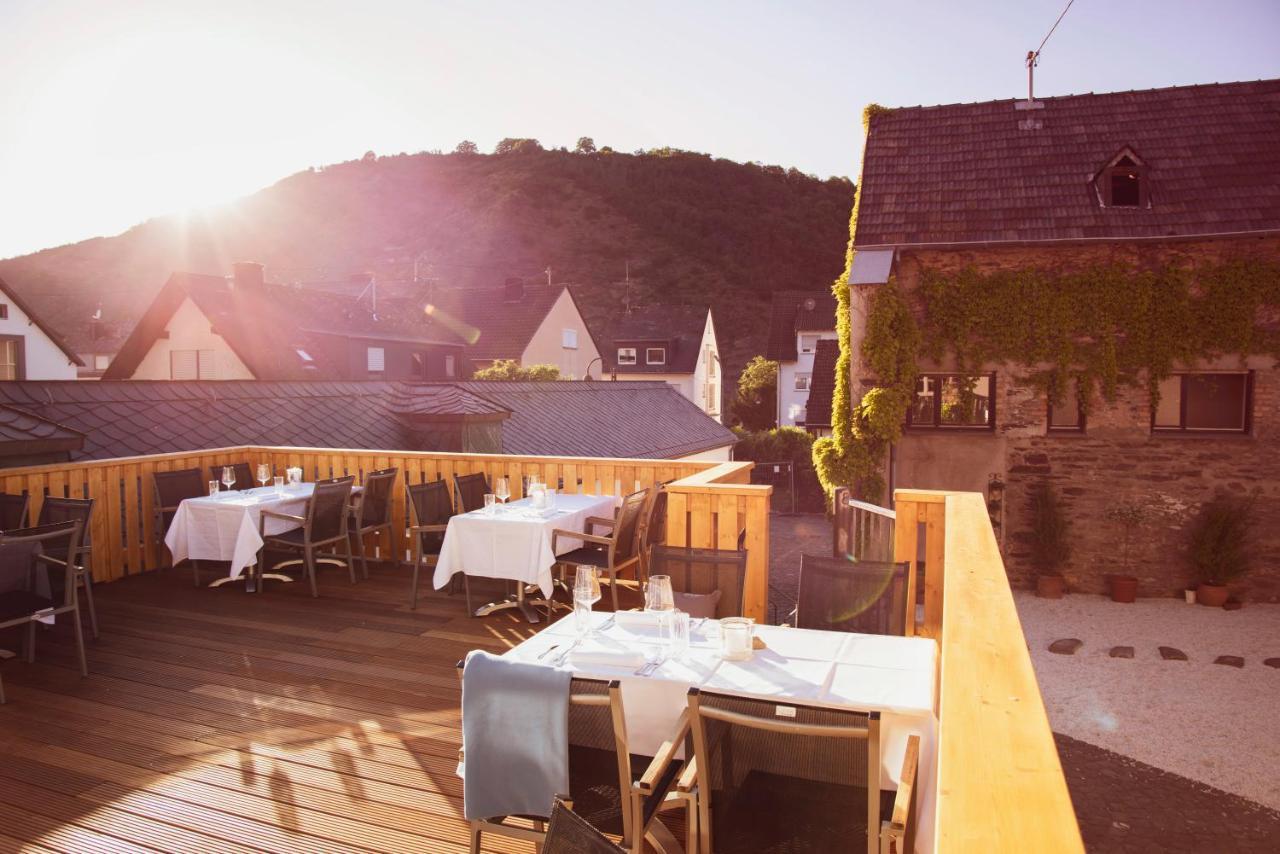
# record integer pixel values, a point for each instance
(1128, 515)
(1050, 540)
(1218, 546)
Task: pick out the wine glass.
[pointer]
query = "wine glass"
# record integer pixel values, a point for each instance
(586, 592)
(264, 474)
(658, 595)
(502, 489)
(228, 477)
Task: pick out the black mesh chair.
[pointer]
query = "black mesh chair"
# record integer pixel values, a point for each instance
(54, 510)
(653, 530)
(429, 512)
(696, 576)
(851, 596)
(372, 510)
(615, 553)
(13, 511)
(27, 591)
(244, 477)
(171, 489)
(809, 781)
(606, 790)
(471, 489)
(570, 833)
(325, 524)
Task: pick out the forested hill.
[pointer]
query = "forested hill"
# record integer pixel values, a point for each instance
(688, 226)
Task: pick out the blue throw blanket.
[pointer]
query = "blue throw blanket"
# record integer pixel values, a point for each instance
(515, 736)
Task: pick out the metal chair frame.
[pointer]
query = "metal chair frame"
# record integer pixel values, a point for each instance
(81, 509)
(373, 489)
(308, 546)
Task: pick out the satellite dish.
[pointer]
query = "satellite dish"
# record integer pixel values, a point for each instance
(809, 304)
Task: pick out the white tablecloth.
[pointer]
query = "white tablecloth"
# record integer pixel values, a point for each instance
(225, 527)
(515, 541)
(891, 675)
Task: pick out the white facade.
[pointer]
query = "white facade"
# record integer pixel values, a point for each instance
(561, 340)
(705, 386)
(191, 350)
(26, 352)
(794, 377)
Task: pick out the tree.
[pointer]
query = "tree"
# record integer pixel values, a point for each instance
(466, 147)
(516, 145)
(586, 145)
(510, 369)
(369, 157)
(755, 407)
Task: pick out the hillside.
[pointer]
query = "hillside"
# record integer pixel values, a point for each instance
(692, 228)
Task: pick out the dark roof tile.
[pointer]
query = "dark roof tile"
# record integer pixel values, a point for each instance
(794, 311)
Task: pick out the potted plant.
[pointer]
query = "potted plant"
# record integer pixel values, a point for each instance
(1050, 541)
(1218, 546)
(1128, 515)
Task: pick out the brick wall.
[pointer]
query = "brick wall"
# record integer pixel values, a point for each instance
(1117, 458)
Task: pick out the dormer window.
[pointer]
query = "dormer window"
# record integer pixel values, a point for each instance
(655, 355)
(1122, 183)
(626, 355)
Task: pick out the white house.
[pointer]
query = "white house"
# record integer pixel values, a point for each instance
(29, 348)
(800, 319)
(672, 343)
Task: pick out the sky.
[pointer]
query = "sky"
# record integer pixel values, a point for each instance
(117, 112)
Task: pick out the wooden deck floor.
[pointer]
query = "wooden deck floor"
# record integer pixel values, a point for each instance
(217, 720)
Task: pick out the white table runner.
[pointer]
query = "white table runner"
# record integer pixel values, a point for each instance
(225, 527)
(890, 675)
(515, 541)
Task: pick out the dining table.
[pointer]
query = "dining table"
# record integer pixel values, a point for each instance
(514, 541)
(224, 526)
(895, 676)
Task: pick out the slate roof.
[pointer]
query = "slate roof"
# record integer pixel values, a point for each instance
(12, 296)
(267, 324)
(497, 328)
(822, 384)
(23, 432)
(967, 173)
(678, 327)
(791, 314)
(636, 419)
(136, 417)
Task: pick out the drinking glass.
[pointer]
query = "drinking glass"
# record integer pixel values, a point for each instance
(735, 638)
(228, 476)
(213, 487)
(586, 592)
(502, 489)
(279, 484)
(658, 595)
(490, 503)
(264, 473)
(675, 634)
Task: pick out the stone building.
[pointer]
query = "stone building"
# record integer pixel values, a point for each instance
(1185, 178)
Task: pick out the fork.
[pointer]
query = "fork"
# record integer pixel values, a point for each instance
(562, 657)
(608, 624)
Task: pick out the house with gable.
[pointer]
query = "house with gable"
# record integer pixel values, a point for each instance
(29, 347)
(799, 320)
(1170, 198)
(673, 343)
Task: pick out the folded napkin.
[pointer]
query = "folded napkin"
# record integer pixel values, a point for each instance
(605, 652)
(636, 618)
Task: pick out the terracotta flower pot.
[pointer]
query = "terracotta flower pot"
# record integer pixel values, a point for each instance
(1124, 588)
(1050, 586)
(1213, 595)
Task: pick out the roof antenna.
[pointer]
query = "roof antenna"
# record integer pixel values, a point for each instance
(1033, 59)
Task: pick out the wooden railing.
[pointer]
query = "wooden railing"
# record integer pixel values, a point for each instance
(710, 503)
(999, 785)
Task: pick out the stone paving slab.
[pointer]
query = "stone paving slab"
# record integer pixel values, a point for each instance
(1128, 806)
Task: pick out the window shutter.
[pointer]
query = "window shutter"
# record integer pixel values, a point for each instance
(377, 360)
(208, 365)
(183, 365)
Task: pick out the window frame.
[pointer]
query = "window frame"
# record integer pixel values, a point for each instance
(815, 336)
(568, 339)
(4, 311)
(1138, 168)
(1077, 430)
(937, 423)
(808, 381)
(19, 355)
(650, 350)
(382, 358)
(1182, 430)
(627, 361)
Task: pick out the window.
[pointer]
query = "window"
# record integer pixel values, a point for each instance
(193, 365)
(450, 365)
(1212, 402)
(655, 355)
(207, 363)
(802, 382)
(377, 360)
(711, 364)
(11, 358)
(1123, 183)
(1068, 415)
(953, 401)
(626, 355)
(569, 339)
(4, 311)
(809, 343)
(418, 366)
(101, 362)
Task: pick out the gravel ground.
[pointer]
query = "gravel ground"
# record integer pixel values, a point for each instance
(1209, 722)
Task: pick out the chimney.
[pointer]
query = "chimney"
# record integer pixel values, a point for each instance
(513, 290)
(248, 274)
